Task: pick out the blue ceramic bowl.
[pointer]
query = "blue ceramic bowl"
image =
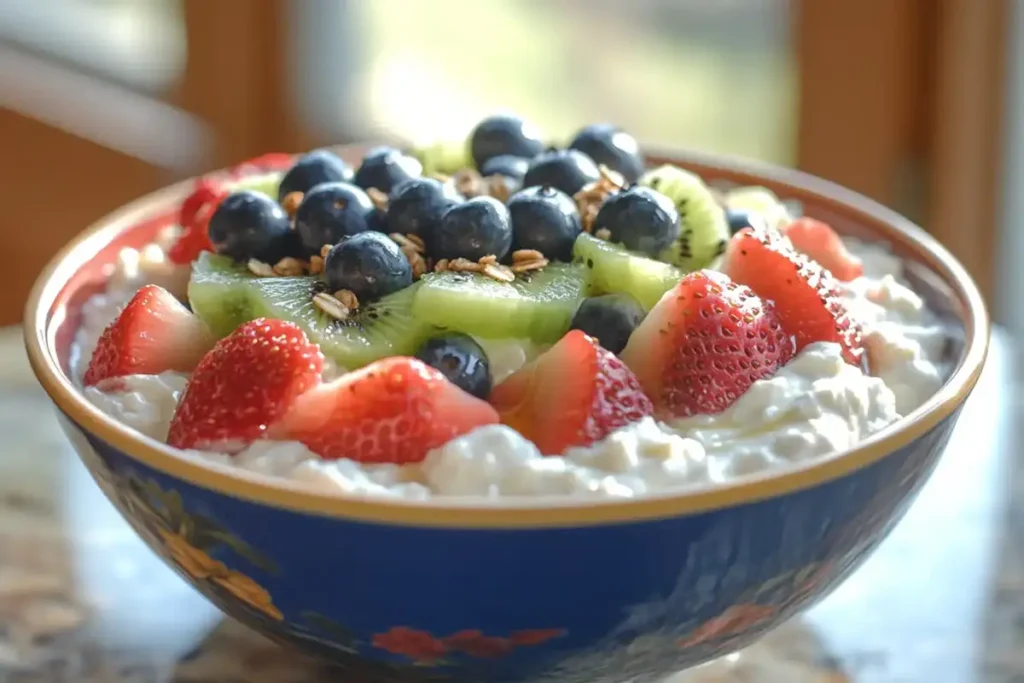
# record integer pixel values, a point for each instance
(538, 591)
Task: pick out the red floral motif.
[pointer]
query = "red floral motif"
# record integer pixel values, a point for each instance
(475, 644)
(535, 636)
(733, 621)
(419, 646)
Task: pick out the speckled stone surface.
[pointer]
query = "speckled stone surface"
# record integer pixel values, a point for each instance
(82, 600)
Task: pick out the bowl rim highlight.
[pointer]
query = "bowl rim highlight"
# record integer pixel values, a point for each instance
(42, 319)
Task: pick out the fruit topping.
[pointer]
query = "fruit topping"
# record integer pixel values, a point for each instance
(251, 225)
(609, 146)
(443, 156)
(225, 295)
(506, 165)
(393, 411)
(737, 219)
(546, 220)
(704, 344)
(807, 297)
(330, 212)
(312, 169)
(574, 394)
(537, 306)
(609, 319)
(471, 230)
(194, 219)
(703, 230)
(639, 218)
(565, 169)
(246, 382)
(384, 168)
(820, 242)
(416, 206)
(612, 269)
(370, 265)
(760, 200)
(504, 134)
(153, 334)
(461, 360)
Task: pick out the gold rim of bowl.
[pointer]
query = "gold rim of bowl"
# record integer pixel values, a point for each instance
(41, 322)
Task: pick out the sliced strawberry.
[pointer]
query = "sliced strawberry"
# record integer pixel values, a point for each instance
(704, 344)
(247, 381)
(393, 410)
(573, 395)
(806, 296)
(154, 333)
(823, 244)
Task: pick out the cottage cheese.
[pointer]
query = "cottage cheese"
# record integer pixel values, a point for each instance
(814, 406)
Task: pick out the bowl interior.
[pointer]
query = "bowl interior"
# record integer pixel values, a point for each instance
(81, 269)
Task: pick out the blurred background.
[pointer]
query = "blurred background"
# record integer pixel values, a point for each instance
(907, 101)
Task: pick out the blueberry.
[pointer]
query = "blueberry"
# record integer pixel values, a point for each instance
(369, 265)
(416, 206)
(610, 319)
(642, 219)
(739, 219)
(461, 360)
(473, 229)
(331, 211)
(506, 165)
(385, 167)
(312, 169)
(504, 134)
(565, 169)
(544, 219)
(608, 145)
(250, 225)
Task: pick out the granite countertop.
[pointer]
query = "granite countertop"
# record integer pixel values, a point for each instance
(83, 600)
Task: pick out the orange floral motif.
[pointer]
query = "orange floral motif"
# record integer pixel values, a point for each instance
(735, 620)
(535, 636)
(417, 645)
(475, 644)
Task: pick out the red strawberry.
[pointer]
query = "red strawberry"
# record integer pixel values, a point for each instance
(573, 395)
(246, 382)
(154, 333)
(393, 410)
(703, 345)
(806, 296)
(820, 242)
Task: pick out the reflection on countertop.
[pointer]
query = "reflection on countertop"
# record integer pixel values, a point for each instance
(82, 599)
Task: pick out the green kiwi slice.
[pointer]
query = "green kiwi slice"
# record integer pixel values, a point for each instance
(611, 269)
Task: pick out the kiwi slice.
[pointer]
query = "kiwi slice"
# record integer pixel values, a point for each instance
(537, 305)
(445, 157)
(225, 295)
(703, 230)
(612, 269)
(267, 183)
(762, 201)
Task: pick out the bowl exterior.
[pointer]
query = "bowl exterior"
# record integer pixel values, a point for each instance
(588, 603)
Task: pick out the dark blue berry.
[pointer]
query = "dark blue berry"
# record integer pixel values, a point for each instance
(513, 168)
(461, 360)
(416, 206)
(565, 169)
(739, 219)
(330, 212)
(473, 229)
(640, 218)
(312, 169)
(610, 319)
(386, 167)
(544, 219)
(608, 145)
(504, 134)
(370, 265)
(250, 225)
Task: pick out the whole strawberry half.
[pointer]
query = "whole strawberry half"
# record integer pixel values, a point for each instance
(822, 244)
(394, 410)
(703, 345)
(247, 382)
(574, 394)
(807, 298)
(154, 333)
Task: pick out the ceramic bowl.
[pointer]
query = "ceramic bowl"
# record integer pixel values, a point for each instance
(550, 591)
